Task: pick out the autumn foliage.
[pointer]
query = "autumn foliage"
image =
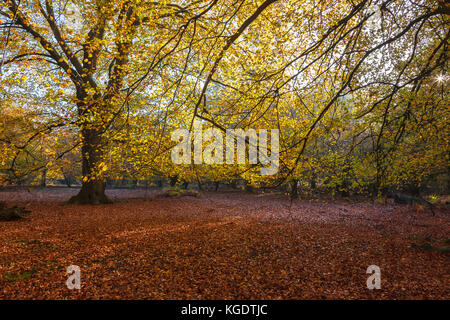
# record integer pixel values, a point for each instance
(92, 90)
(226, 245)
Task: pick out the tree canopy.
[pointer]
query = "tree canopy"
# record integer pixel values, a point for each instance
(357, 89)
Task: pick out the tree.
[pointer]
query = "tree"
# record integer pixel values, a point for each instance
(123, 74)
(109, 52)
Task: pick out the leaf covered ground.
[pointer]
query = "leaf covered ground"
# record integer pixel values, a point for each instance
(224, 245)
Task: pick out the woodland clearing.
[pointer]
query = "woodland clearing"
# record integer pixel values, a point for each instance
(221, 245)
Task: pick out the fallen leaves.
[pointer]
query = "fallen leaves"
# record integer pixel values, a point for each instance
(223, 246)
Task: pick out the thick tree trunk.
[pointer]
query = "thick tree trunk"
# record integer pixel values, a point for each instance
(92, 192)
(93, 189)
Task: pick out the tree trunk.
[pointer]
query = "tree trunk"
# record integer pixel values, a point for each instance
(313, 184)
(448, 180)
(173, 180)
(66, 178)
(294, 188)
(44, 178)
(93, 189)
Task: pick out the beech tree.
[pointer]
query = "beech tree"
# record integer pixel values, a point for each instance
(120, 75)
(101, 44)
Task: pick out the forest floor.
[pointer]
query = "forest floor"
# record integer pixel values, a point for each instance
(224, 245)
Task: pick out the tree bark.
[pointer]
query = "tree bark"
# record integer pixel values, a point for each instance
(294, 188)
(92, 190)
(44, 178)
(173, 180)
(313, 183)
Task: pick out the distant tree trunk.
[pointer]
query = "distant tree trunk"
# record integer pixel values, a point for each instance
(248, 187)
(173, 180)
(414, 189)
(313, 182)
(66, 178)
(345, 185)
(217, 184)
(44, 178)
(92, 190)
(294, 188)
(448, 180)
